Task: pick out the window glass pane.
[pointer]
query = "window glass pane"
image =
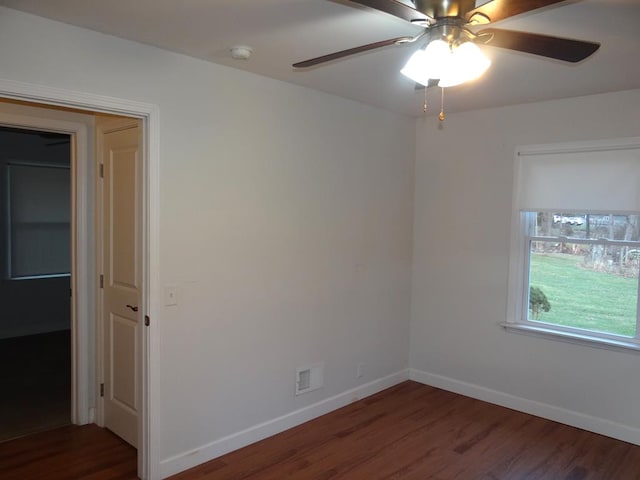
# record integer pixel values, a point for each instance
(39, 213)
(588, 226)
(593, 287)
(40, 249)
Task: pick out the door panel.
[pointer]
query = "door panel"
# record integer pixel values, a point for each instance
(123, 166)
(121, 229)
(123, 356)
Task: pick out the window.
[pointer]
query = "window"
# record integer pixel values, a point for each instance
(575, 255)
(39, 220)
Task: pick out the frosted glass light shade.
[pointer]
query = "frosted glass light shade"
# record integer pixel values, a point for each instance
(467, 62)
(416, 68)
(437, 55)
(451, 66)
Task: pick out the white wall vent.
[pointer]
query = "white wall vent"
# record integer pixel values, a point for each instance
(309, 378)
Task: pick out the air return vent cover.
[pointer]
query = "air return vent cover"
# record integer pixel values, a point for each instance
(309, 378)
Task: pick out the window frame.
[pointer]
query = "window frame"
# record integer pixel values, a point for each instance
(529, 221)
(517, 320)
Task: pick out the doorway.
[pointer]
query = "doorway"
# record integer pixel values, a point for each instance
(71, 116)
(35, 233)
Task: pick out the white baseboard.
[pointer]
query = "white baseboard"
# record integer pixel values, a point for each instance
(183, 461)
(539, 409)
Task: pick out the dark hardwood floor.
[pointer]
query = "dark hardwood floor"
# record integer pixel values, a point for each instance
(410, 431)
(417, 432)
(68, 453)
(35, 374)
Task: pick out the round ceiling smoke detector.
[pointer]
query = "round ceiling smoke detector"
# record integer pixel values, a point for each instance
(241, 52)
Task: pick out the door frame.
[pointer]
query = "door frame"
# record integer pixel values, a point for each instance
(149, 448)
(80, 276)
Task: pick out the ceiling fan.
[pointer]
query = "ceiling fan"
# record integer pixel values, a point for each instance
(451, 55)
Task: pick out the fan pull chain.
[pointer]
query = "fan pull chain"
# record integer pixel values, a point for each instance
(441, 116)
(424, 107)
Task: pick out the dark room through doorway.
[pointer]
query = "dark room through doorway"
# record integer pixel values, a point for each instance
(35, 254)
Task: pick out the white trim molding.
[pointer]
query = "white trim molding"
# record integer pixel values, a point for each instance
(205, 453)
(149, 451)
(573, 336)
(551, 412)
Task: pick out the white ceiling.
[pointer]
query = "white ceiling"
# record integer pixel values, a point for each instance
(282, 32)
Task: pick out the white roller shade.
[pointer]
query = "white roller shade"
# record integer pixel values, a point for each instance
(39, 213)
(587, 177)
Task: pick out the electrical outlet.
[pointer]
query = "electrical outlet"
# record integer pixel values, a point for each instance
(360, 370)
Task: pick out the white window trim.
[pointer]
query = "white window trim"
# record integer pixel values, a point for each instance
(565, 335)
(517, 295)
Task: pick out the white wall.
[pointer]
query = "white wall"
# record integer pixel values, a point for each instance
(463, 195)
(286, 223)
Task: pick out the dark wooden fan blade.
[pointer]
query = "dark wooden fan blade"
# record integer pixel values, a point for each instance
(546, 46)
(351, 51)
(396, 9)
(500, 9)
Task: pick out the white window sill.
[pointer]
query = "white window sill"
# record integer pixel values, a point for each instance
(41, 277)
(622, 345)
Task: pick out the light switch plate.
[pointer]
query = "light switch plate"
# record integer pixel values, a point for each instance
(170, 295)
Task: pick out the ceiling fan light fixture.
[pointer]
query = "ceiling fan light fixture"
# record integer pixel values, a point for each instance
(451, 65)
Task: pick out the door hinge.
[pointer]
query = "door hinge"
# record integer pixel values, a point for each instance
(102, 170)
(101, 281)
(102, 389)
(147, 320)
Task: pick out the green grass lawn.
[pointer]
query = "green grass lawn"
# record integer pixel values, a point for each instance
(584, 298)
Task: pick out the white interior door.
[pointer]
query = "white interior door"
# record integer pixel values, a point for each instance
(120, 150)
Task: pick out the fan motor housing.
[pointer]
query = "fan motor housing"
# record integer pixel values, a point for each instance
(444, 8)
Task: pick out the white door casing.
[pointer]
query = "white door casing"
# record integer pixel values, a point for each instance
(79, 126)
(120, 153)
(149, 447)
